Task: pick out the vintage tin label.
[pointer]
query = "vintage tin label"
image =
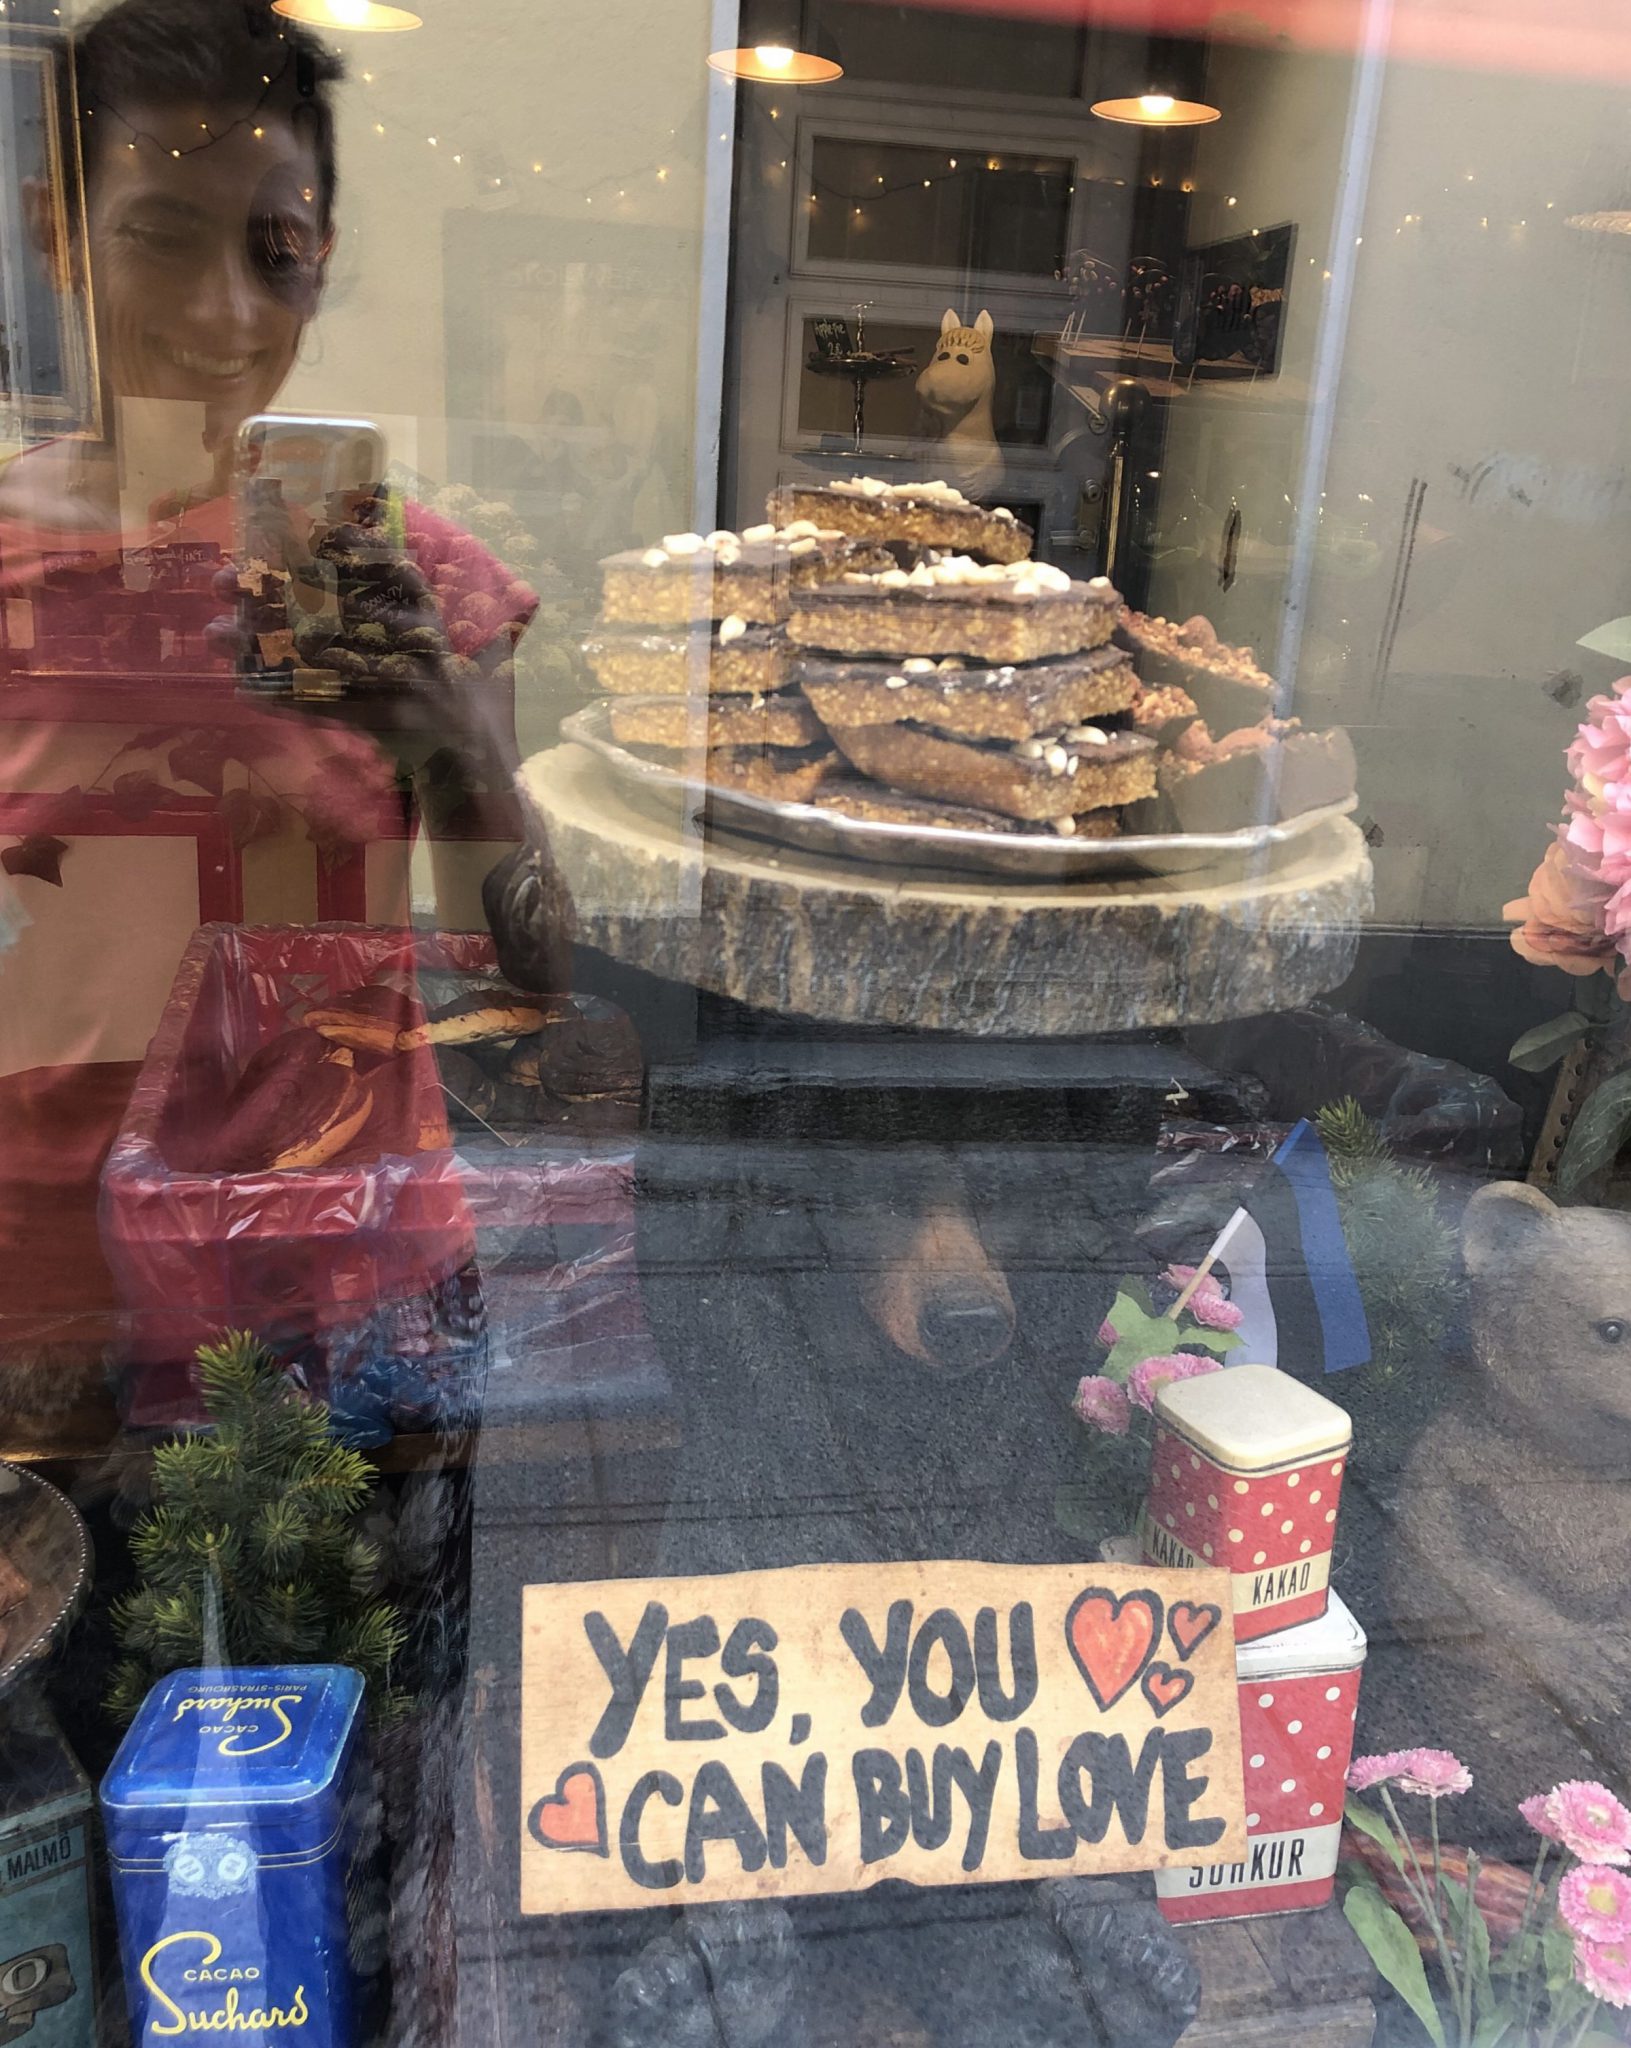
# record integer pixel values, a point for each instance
(237, 1832)
(47, 1990)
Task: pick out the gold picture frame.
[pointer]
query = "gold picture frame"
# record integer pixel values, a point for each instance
(48, 376)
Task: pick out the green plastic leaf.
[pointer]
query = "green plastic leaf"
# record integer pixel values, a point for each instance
(1599, 1131)
(1376, 1827)
(1557, 1950)
(1209, 1340)
(1543, 1047)
(1392, 1948)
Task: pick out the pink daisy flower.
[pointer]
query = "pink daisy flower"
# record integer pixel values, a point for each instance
(1595, 1903)
(1604, 1968)
(1209, 1305)
(1150, 1374)
(1534, 1811)
(1101, 1404)
(1365, 1773)
(1590, 1822)
(1107, 1335)
(1432, 1773)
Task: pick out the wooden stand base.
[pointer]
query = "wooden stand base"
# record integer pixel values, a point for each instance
(786, 930)
(1294, 1980)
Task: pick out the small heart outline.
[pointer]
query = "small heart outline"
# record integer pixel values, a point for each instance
(1164, 1687)
(1190, 1622)
(567, 1798)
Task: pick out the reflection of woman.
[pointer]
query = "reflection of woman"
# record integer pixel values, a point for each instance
(207, 134)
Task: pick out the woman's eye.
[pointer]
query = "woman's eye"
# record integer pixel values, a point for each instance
(1613, 1330)
(155, 241)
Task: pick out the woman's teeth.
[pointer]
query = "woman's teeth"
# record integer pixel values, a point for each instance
(207, 366)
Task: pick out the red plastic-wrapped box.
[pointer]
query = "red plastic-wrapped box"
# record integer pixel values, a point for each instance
(320, 1247)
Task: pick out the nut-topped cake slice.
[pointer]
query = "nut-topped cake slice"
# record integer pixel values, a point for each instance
(1048, 777)
(751, 575)
(988, 612)
(723, 656)
(954, 695)
(933, 515)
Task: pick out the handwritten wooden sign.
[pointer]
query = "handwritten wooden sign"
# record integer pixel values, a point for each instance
(816, 1729)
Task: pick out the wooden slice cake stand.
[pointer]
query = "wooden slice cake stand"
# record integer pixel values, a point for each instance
(791, 931)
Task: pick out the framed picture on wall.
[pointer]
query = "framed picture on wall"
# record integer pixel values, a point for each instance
(1231, 302)
(48, 382)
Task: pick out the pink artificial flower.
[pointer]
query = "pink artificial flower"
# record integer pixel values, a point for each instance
(1590, 1822)
(1432, 1773)
(1152, 1373)
(1604, 1968)
(1101, 1404)
(1107, 1335)
(1561, 920)
(1602, 745)
(1365, 1773)
(1534, 1811)
(1595, 1902)
(1209, 1305)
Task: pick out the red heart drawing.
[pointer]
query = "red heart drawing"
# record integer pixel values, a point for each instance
(1164, 1687)
(1190, 1624)
(573, 1816)
(1112, 1637)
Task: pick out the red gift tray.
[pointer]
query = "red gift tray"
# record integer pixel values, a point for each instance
(193, 1252)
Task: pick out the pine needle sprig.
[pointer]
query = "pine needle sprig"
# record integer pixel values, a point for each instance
(252, 1535)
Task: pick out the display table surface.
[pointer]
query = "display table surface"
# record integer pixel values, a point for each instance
(791, 931)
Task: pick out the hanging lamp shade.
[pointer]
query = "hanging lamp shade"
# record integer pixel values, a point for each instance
(355, 17)
(774, 48)
(1157, 110)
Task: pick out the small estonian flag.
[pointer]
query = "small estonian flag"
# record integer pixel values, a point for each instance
(1289, 1270)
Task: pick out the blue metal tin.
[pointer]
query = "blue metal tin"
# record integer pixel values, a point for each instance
(237, 1833)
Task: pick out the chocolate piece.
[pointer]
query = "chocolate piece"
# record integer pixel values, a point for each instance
(932, 514)
(785, 721)
(1261, 775)
(1058, 780)
(752, 576)
(732, 657)
(1006, 703)
(1027, 611)
(296, 1103)
(1226, 684)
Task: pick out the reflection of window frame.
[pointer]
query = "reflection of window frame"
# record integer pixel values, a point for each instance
(963, 133)
(31, 59)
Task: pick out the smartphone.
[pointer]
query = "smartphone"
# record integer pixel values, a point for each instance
(302, 488)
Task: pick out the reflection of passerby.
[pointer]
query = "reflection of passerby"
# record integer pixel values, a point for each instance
(207, 133)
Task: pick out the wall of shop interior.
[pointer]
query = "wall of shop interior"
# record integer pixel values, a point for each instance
(1484, 385)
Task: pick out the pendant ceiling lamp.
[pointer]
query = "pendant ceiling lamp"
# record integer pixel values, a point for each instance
(774, 48)
(1157, 110)
(354, 17)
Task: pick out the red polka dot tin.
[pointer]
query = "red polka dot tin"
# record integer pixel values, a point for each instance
(1299, 1696)
(1246, 1474)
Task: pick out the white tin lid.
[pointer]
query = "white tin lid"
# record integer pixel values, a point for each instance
(1252, 1418)
(1335, 1642)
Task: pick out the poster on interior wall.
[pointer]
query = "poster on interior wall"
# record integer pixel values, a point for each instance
(816, 1729)
(47, 356)
(1231, 304)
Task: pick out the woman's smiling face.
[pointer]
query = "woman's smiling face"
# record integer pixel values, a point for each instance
(205, 264)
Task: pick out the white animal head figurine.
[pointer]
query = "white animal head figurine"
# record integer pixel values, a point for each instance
(962, 374)
(956, 388)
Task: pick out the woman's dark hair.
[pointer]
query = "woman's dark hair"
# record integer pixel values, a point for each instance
(210, 53)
